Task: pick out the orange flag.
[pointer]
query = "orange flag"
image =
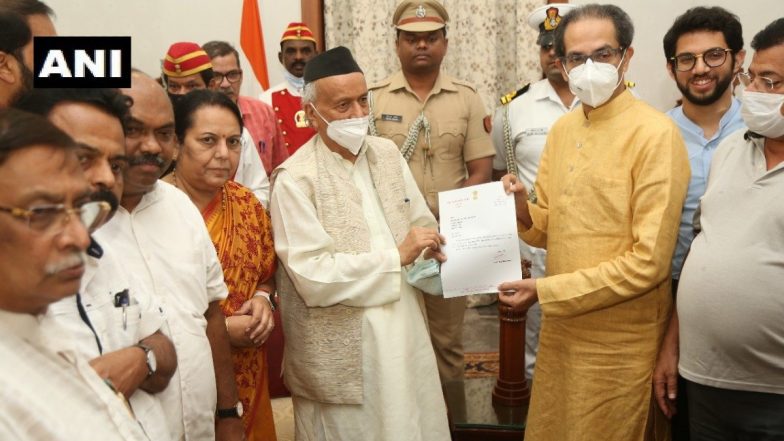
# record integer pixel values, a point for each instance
(252, 41)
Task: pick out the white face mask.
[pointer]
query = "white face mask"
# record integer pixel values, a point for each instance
(348, 133)
(296, 82)
(594, 83)
(762, 113)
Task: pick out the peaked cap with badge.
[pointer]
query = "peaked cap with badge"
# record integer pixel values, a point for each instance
(420, 16)
(546, 19)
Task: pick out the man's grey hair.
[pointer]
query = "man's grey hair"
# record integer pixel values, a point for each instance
(624, 29)
(309, 93)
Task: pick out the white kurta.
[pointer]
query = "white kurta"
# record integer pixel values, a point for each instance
(402, 398)
(165, 245)
(49, 392)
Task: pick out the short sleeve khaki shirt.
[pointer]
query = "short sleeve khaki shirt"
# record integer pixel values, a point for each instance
(457, 134)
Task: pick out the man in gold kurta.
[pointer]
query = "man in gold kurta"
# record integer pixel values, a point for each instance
(437, 122)
(607, 201)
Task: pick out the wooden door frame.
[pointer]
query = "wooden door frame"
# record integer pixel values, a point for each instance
(313, 15)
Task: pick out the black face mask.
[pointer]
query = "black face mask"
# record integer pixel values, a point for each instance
(174, 98)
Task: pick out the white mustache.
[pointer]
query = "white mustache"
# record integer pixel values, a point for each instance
(71, 261)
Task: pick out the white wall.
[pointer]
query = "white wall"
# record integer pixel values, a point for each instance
(653, 18)
(155, 24)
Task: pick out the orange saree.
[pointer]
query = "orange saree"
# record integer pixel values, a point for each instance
(242, 234)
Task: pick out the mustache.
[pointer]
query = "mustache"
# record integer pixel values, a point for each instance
(106, 195)
(146, 158)
(70, 261)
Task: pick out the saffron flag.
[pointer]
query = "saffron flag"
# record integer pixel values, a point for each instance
(252, 41)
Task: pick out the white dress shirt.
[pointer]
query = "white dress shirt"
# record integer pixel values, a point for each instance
(116, 327)
(250, 170)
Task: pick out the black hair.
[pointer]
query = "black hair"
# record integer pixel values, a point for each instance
(186, 107)
(26, 8)
(772, 35)
(624, 28)
(713, 19)
(20, 130)
(206, 76)
(14, 34)
(111, 101)
(220, 49)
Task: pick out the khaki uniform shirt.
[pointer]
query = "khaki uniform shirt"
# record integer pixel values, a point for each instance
(457, 135)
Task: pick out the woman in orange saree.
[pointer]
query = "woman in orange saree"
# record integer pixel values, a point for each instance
(209, 126)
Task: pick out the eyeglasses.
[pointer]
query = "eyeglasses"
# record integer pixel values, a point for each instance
(233, 76)
(54, 218)
(712, 58)
(603, 55)
(762, 83)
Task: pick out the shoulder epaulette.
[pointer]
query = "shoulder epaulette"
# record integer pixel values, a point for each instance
(506, 99)
(463, 83)
(379, 84)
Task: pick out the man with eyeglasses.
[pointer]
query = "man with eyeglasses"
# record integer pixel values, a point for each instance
(257, 117)
(612, 180)
(188, 67)
(165, 245)
(130, 350)
(46, 211)
(730, 293)
(704, 52)
(520, 127)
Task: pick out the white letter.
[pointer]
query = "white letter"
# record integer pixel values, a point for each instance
(82, 60)
(116, 63)
(55, 64)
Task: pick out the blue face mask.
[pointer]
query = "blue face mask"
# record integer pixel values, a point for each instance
(426, 276)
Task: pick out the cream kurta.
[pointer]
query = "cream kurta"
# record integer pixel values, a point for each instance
(610, 189)
(402, 398)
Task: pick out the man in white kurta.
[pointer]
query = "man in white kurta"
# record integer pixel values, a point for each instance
(383, 382)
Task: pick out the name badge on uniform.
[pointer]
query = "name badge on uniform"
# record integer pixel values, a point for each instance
(395, 118)
(536, 131)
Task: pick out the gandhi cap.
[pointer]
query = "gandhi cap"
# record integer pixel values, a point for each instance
(185, 58)
(546, 19)
(336, 61)
(420, 16)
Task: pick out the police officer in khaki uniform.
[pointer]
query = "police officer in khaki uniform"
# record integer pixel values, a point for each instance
(437, 121)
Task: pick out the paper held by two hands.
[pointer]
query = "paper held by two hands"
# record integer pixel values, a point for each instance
(482, 246)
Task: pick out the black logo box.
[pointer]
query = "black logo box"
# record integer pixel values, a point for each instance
(69, 45)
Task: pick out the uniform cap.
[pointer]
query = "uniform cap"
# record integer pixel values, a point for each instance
(184, 59)
(420, 16)
(297, 31)
(546, 19)
(336, 61)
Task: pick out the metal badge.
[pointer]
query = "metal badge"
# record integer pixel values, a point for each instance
(300, 119)
(420, 11)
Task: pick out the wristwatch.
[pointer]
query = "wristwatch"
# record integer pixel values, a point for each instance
(233, 412)
(152, 364)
